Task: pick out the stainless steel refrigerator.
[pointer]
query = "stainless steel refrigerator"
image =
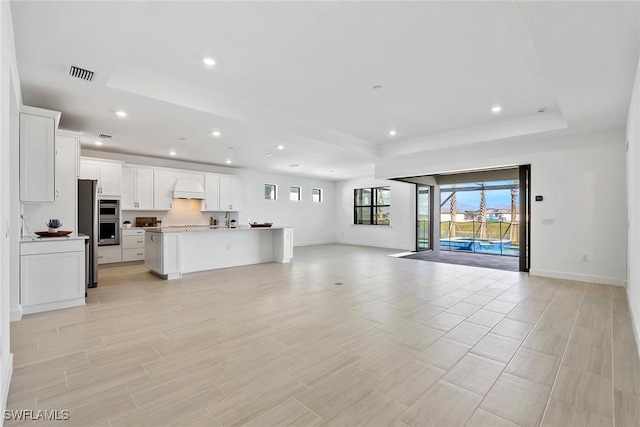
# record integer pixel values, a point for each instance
(88, 224)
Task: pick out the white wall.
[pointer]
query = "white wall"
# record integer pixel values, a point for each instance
(400, 234)
(9, 104)
(633, 197)
(582, 180)
(313, 222)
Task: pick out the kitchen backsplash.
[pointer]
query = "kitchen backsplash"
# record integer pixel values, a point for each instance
(184, 212)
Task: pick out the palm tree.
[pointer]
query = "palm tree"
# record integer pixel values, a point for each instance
(453, 213)
(483, 213)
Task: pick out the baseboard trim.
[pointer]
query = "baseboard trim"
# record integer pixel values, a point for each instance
(324, 242)
(634, 324)
(374, 245)
(603, 280)
(16, 314)
(38, 308)
(6, 383)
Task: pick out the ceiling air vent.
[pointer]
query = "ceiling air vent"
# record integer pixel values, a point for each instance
(80, 73)
(104, 135)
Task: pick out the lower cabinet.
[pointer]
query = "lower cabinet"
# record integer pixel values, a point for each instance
(162, 254)
(52, 274)
(109, 254)
(132, 245)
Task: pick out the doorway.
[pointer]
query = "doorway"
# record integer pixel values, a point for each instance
(496, 226)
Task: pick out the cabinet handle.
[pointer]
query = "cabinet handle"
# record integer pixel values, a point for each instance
(205, 206)
(170, 205)
(139, 241)
(151, 237)
(100, 257)
(57, 193)
(140, 254)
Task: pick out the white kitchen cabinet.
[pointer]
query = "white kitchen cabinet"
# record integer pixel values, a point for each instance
(212, 193)
(52, 274)
(162, 254)
(109, 254)
(137, 188)
(132, 245)
(108, 173)
(37, 154)
(231, 189)
(163, 182)
(64, 207)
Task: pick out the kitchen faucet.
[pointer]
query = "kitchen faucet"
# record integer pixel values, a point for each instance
(227, 215)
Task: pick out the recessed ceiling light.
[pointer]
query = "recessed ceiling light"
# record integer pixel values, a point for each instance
(541, 110)
(228, 161)
(496, 109)
(268, 154)
(280, 147)
(377, 88)
(172, 153)
(98, 142)
(182, 139)
(295, 165)
(209, 61)
(121, 113)
(216, 133)
(392, 133)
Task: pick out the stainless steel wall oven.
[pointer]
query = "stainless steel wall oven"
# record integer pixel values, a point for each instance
(108, 222)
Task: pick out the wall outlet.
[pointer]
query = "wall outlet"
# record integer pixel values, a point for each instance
(585, 258)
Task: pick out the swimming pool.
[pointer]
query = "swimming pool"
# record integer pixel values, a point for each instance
(484, 246)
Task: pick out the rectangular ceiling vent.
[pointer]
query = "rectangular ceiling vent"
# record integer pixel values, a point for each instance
(104, 136)
(80, 73)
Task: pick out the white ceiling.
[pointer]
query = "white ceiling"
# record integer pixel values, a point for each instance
(301, 74)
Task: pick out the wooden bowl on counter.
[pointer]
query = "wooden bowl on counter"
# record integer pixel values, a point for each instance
(257, 225)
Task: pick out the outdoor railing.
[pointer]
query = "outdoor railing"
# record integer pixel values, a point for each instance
(490, 237)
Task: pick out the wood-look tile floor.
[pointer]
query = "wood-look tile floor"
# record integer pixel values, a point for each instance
(343, 336)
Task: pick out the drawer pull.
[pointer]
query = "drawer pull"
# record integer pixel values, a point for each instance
(140, 254)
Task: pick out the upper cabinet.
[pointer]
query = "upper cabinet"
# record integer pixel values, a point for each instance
(230, 193)
(108, 173)
(37, 155)
(163, 182)
(212, 193)
(137, 188)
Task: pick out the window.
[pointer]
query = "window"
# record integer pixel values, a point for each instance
(270, 191)
(295, 194)
(316, 195)
(371, 205)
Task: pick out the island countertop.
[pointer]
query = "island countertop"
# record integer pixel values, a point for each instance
(201, 228)
(36, 238)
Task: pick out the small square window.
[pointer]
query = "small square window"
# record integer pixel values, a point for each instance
(316, 195)
(270, 191)
(295, 194)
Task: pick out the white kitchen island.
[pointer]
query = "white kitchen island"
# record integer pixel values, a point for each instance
(172, 251)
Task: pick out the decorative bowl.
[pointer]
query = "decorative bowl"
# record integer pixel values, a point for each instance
(257, 225)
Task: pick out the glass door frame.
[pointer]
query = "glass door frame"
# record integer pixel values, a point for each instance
(429, 229)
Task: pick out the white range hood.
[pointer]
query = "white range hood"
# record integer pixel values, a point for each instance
(188, 189)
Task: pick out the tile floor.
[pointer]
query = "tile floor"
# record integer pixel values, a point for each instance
(398, 343)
